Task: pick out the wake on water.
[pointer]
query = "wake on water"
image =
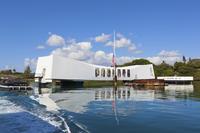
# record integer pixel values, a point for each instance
(13, 103)
(51, 106)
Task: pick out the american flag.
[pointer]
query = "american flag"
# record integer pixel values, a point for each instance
(113, 60)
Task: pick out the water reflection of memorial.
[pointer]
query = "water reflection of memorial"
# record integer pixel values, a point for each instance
(124, 94)
(143, 94)
(78, 100)
(178, 91)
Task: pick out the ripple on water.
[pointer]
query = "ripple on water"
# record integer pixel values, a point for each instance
(19, 113)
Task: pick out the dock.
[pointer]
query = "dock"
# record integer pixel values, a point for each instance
(15, 88)
(10, 83)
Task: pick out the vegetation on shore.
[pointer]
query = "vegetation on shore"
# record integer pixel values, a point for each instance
(184, 68)
(12, 75)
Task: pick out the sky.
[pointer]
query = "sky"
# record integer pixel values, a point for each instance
(156, 30)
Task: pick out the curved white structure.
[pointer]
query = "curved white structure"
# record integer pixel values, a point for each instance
(54, 67)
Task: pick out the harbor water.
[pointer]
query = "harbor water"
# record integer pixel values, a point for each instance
(103, 110)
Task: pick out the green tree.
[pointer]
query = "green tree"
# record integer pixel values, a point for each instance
(6, 72)
(27, 72)
(137, 62)
(183, 69)
(164, 69)
(197, 75)
(190, 59)
(177, 66)
(195, 63)
(14, 71)
(184, 59)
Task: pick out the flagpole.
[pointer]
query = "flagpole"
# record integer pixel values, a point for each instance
(114, 45)
(114, 58)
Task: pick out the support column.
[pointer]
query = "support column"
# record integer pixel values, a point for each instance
(55, 85)
(39, 85)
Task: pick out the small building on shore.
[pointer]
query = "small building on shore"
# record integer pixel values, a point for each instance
(177, 79)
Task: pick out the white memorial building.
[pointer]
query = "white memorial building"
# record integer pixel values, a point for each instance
(54, 67)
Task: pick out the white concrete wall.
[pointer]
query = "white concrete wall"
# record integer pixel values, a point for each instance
(46, 63)
(64, 68)
(61, 68)
(143, 72)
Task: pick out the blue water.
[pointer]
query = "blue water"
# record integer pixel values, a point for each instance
(105, 110)
(20, 114)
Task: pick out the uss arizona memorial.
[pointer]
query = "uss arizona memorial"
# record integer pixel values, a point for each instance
(54, 67)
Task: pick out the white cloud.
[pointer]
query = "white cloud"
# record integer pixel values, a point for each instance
(79, 51)
(102, 38)
(124, 59)
(30, 62)
(40, 47)
(138, 51)
(132, 48)
(155, 59)
(55, 40)
(70, 41)
(170, 57)
(100, 54)
(123, 42)
(173, 53)
(83, 50)
(119, 35)
(102, 58)
(85, 45)
(119, 43)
